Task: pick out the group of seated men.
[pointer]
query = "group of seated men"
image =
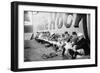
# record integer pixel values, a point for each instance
(73, 45)
(79, 45)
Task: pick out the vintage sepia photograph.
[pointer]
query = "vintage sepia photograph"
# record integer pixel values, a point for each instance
(56, 36)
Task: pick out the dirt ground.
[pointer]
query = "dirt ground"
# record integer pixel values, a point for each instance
(34, 51)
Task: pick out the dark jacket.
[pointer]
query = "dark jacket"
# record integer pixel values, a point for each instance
(83, 44)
